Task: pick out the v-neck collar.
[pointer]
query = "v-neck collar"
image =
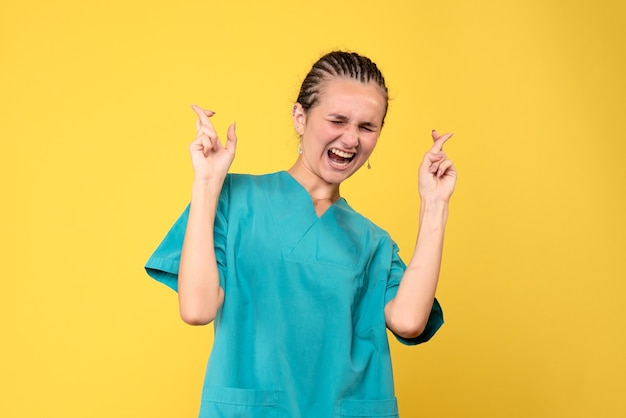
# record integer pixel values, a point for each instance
(301, 190)
(302, 234)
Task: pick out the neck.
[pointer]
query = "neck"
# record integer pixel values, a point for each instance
(319, 189)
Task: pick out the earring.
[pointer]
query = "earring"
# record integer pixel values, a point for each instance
(368, 164)
(300, 148)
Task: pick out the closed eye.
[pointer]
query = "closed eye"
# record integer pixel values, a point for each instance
(337, 119)
(341, 120)
(369, 127)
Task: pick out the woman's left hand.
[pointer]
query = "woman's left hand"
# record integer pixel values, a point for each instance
(437, 175)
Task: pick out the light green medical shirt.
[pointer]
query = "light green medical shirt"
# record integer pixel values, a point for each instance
(302, 329)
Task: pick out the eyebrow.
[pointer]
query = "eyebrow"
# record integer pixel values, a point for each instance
(346, 119)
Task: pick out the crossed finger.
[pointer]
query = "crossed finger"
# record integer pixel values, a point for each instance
(204, 128)
(203, 115)
(439, 140)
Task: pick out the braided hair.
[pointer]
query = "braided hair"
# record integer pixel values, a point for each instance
(339, 64)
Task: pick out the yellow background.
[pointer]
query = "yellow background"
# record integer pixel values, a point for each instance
(95, 122)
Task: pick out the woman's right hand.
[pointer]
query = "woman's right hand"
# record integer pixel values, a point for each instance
(210, 159)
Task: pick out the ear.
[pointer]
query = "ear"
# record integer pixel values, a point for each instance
(299, 118)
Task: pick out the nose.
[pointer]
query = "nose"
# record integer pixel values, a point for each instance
(350, 137)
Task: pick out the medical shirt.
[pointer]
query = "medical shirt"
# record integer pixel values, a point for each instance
(301, 332)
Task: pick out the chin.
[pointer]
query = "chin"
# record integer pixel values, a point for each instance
(337, 177)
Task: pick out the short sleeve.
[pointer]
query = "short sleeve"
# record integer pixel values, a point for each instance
(435, 319)
(163, 264)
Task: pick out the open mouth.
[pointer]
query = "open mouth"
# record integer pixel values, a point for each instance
(339, 157)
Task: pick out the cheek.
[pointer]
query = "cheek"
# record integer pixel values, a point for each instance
(369, 143)
(324, 133)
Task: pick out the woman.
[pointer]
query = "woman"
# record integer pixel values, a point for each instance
(300, 287)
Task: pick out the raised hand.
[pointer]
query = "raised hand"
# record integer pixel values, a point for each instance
(210, 159)
(437, 175)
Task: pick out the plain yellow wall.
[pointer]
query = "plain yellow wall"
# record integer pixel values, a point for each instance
(95, 122)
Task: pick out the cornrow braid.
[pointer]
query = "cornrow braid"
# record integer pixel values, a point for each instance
(339, 64)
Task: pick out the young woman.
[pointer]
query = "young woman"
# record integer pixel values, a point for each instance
(301, 288)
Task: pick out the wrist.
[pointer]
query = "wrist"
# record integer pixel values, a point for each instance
(434, 210)
(207, 188)
(434, 204)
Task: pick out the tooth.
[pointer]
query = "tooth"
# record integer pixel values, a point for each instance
(342, 153)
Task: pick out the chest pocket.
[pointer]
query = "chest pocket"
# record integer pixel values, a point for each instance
(221, 402)
(352, 408)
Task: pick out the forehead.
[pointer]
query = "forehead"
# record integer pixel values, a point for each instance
(351, 95)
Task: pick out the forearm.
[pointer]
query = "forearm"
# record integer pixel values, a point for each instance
(199, 292)
(407, 314)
